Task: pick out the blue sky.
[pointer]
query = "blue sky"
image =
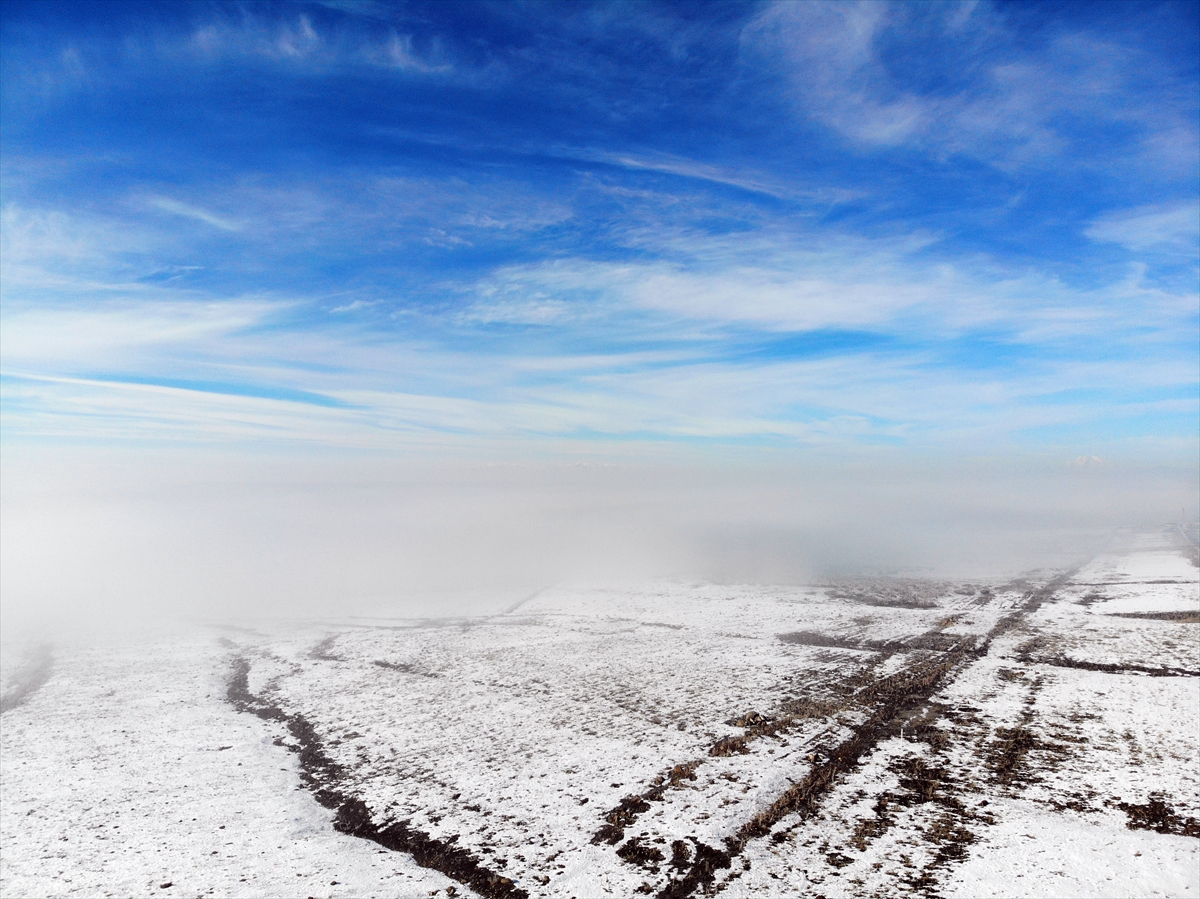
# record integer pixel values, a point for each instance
(967, 228)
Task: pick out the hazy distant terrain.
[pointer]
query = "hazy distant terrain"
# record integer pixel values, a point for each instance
(866, 737)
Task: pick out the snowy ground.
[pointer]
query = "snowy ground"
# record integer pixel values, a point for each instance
(864, 738)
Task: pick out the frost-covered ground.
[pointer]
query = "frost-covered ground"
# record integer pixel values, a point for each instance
(862, 738)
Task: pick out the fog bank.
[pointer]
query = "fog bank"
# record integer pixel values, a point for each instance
(94, 536)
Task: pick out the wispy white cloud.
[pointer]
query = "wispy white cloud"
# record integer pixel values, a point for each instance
(353, 306)
(744, 179)
(644, 346)
(829, 48)
(369, 9)
(1172, 228)
(186, 210)
(400, 391)
(656, 317)
(830, 401)
(811, 283)
(541, 310)
(299, 40)
(55, 237)
(51, 251)
(398, 52)
(131, 412)
(1010, 105)
(122, 332)
(291, 40)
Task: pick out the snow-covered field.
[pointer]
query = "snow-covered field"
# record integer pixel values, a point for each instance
(1037, 737)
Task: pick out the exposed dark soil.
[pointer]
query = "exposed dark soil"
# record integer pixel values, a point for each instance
(896, 593)
(617, 819)
(321, 653)
(951, 838)
(1009, 753)
(1158, 816)
(922, 784)
(405, 668)
(897, 700)
(29, 679)
(1170, 580)
(1185, 617)
(626, 813)
(729, 746)
(706, 862)
(747, 719)
(812, 638)
(869, 829)
(354, 819)
(886, 602)
(922, 780)
(932, 641)
(1163, 671)
(322, 776)
(898, 697)
(681, 854)
(645, 855)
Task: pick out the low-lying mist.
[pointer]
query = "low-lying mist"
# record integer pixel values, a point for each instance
(90, 538)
